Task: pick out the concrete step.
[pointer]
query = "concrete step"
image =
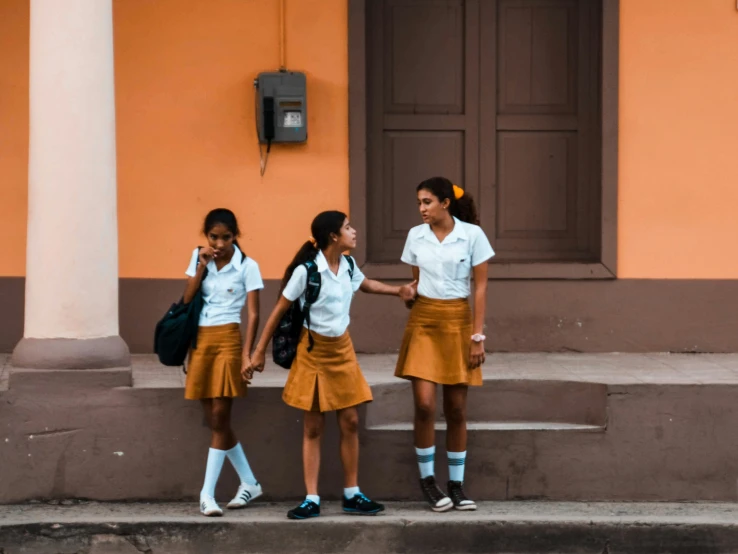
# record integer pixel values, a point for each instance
(497, 527)
(473, 426)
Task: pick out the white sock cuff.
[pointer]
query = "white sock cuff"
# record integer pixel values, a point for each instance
(456, 455)
(350, 492)
(313, 498)
(425, 451)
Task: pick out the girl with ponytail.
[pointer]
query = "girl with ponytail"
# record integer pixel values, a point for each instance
(443, 343)
(325, 375)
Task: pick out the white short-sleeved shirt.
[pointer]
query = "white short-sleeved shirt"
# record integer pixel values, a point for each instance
(445, 267)
(329, 316)
(224, 292)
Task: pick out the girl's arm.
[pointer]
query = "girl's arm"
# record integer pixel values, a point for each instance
(259, 355)
(476, 357)
(252, 325)
(193, 283)
(406, 292)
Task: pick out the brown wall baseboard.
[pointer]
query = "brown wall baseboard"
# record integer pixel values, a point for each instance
(627, 315)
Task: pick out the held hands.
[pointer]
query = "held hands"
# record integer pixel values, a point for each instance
(408, 293)
(257, 361)
(247, 373)
(476, 355)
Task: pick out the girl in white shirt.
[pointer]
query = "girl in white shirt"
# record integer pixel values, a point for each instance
(443, 343)
(215, 367)
(325, 375)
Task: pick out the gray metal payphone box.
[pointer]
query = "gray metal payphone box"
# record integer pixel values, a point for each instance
(281, 107)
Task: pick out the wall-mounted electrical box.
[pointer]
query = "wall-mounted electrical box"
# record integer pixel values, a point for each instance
(281, 107)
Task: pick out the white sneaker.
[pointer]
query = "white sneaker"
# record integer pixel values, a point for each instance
(246, 493)
(209, 507)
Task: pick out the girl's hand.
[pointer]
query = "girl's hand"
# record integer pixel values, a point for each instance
(206, 254)
(409, 292)
(247, 373)
(257, 361)
(476, 355)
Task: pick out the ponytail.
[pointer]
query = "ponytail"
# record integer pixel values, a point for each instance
(323, 226)
(306, 253)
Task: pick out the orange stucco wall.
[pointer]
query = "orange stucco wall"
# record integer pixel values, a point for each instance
(14, 29)
(186, 138)
(678, 181)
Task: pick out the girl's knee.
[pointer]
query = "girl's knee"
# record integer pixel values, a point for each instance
(313, 427)
(349, 422)
(425, 410)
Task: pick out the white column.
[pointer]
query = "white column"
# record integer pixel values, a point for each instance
(71, 310)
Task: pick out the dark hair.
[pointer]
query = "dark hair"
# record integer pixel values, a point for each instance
(225, 217)
(324, 224)
(462, 208)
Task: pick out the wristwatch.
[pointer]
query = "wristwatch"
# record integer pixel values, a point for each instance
(478, 338)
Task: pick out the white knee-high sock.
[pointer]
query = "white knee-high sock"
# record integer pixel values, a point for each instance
(426, 461)
(212, 471)
(456, 465)
(238, 458)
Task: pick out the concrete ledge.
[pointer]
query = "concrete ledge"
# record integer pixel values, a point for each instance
(99, 353)
(22, 379)
(505, 527)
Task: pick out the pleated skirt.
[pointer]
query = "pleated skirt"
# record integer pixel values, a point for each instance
(214, 368)
(327, 378)
(436, 343)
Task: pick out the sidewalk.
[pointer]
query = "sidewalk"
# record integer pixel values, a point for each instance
(497, 527)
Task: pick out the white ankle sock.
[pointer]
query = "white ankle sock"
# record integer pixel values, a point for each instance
(212, 471)
(313, 498)
(456, 465)
(350, 492)
(238, 458)
(426, 459)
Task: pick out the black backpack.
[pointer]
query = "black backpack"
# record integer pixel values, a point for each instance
(177, 330)
(287, 335)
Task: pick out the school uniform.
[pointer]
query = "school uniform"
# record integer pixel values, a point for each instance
(214, 368)
(437, 339)
(328, 377)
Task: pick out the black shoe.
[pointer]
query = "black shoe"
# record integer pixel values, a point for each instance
(306, 510)
(456, 492)
(361, 505)
(438, 501)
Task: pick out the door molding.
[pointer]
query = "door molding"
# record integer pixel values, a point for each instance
(606, 268)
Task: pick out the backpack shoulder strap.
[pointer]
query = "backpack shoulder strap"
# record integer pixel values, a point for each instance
(312, 286)
(350, 261)
(312, 291)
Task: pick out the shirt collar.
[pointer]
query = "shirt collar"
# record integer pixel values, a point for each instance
(322, 264)
(458, 233)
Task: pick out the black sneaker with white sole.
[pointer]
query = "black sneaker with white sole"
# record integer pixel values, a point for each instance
(437, 499)
(361, 505)
(456, 492)
(306, 510)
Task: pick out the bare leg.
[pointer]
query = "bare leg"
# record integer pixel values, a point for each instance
(313, 424)
(454, 409)
(424, 394)
(348, 423)
(218, 414)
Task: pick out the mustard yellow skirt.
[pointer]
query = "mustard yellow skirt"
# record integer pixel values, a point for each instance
(214, 368)
(327, 378)
(436, 343)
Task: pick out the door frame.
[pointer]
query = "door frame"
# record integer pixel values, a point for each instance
(606, 268)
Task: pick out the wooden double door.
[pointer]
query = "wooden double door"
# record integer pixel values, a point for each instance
(503, 98)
